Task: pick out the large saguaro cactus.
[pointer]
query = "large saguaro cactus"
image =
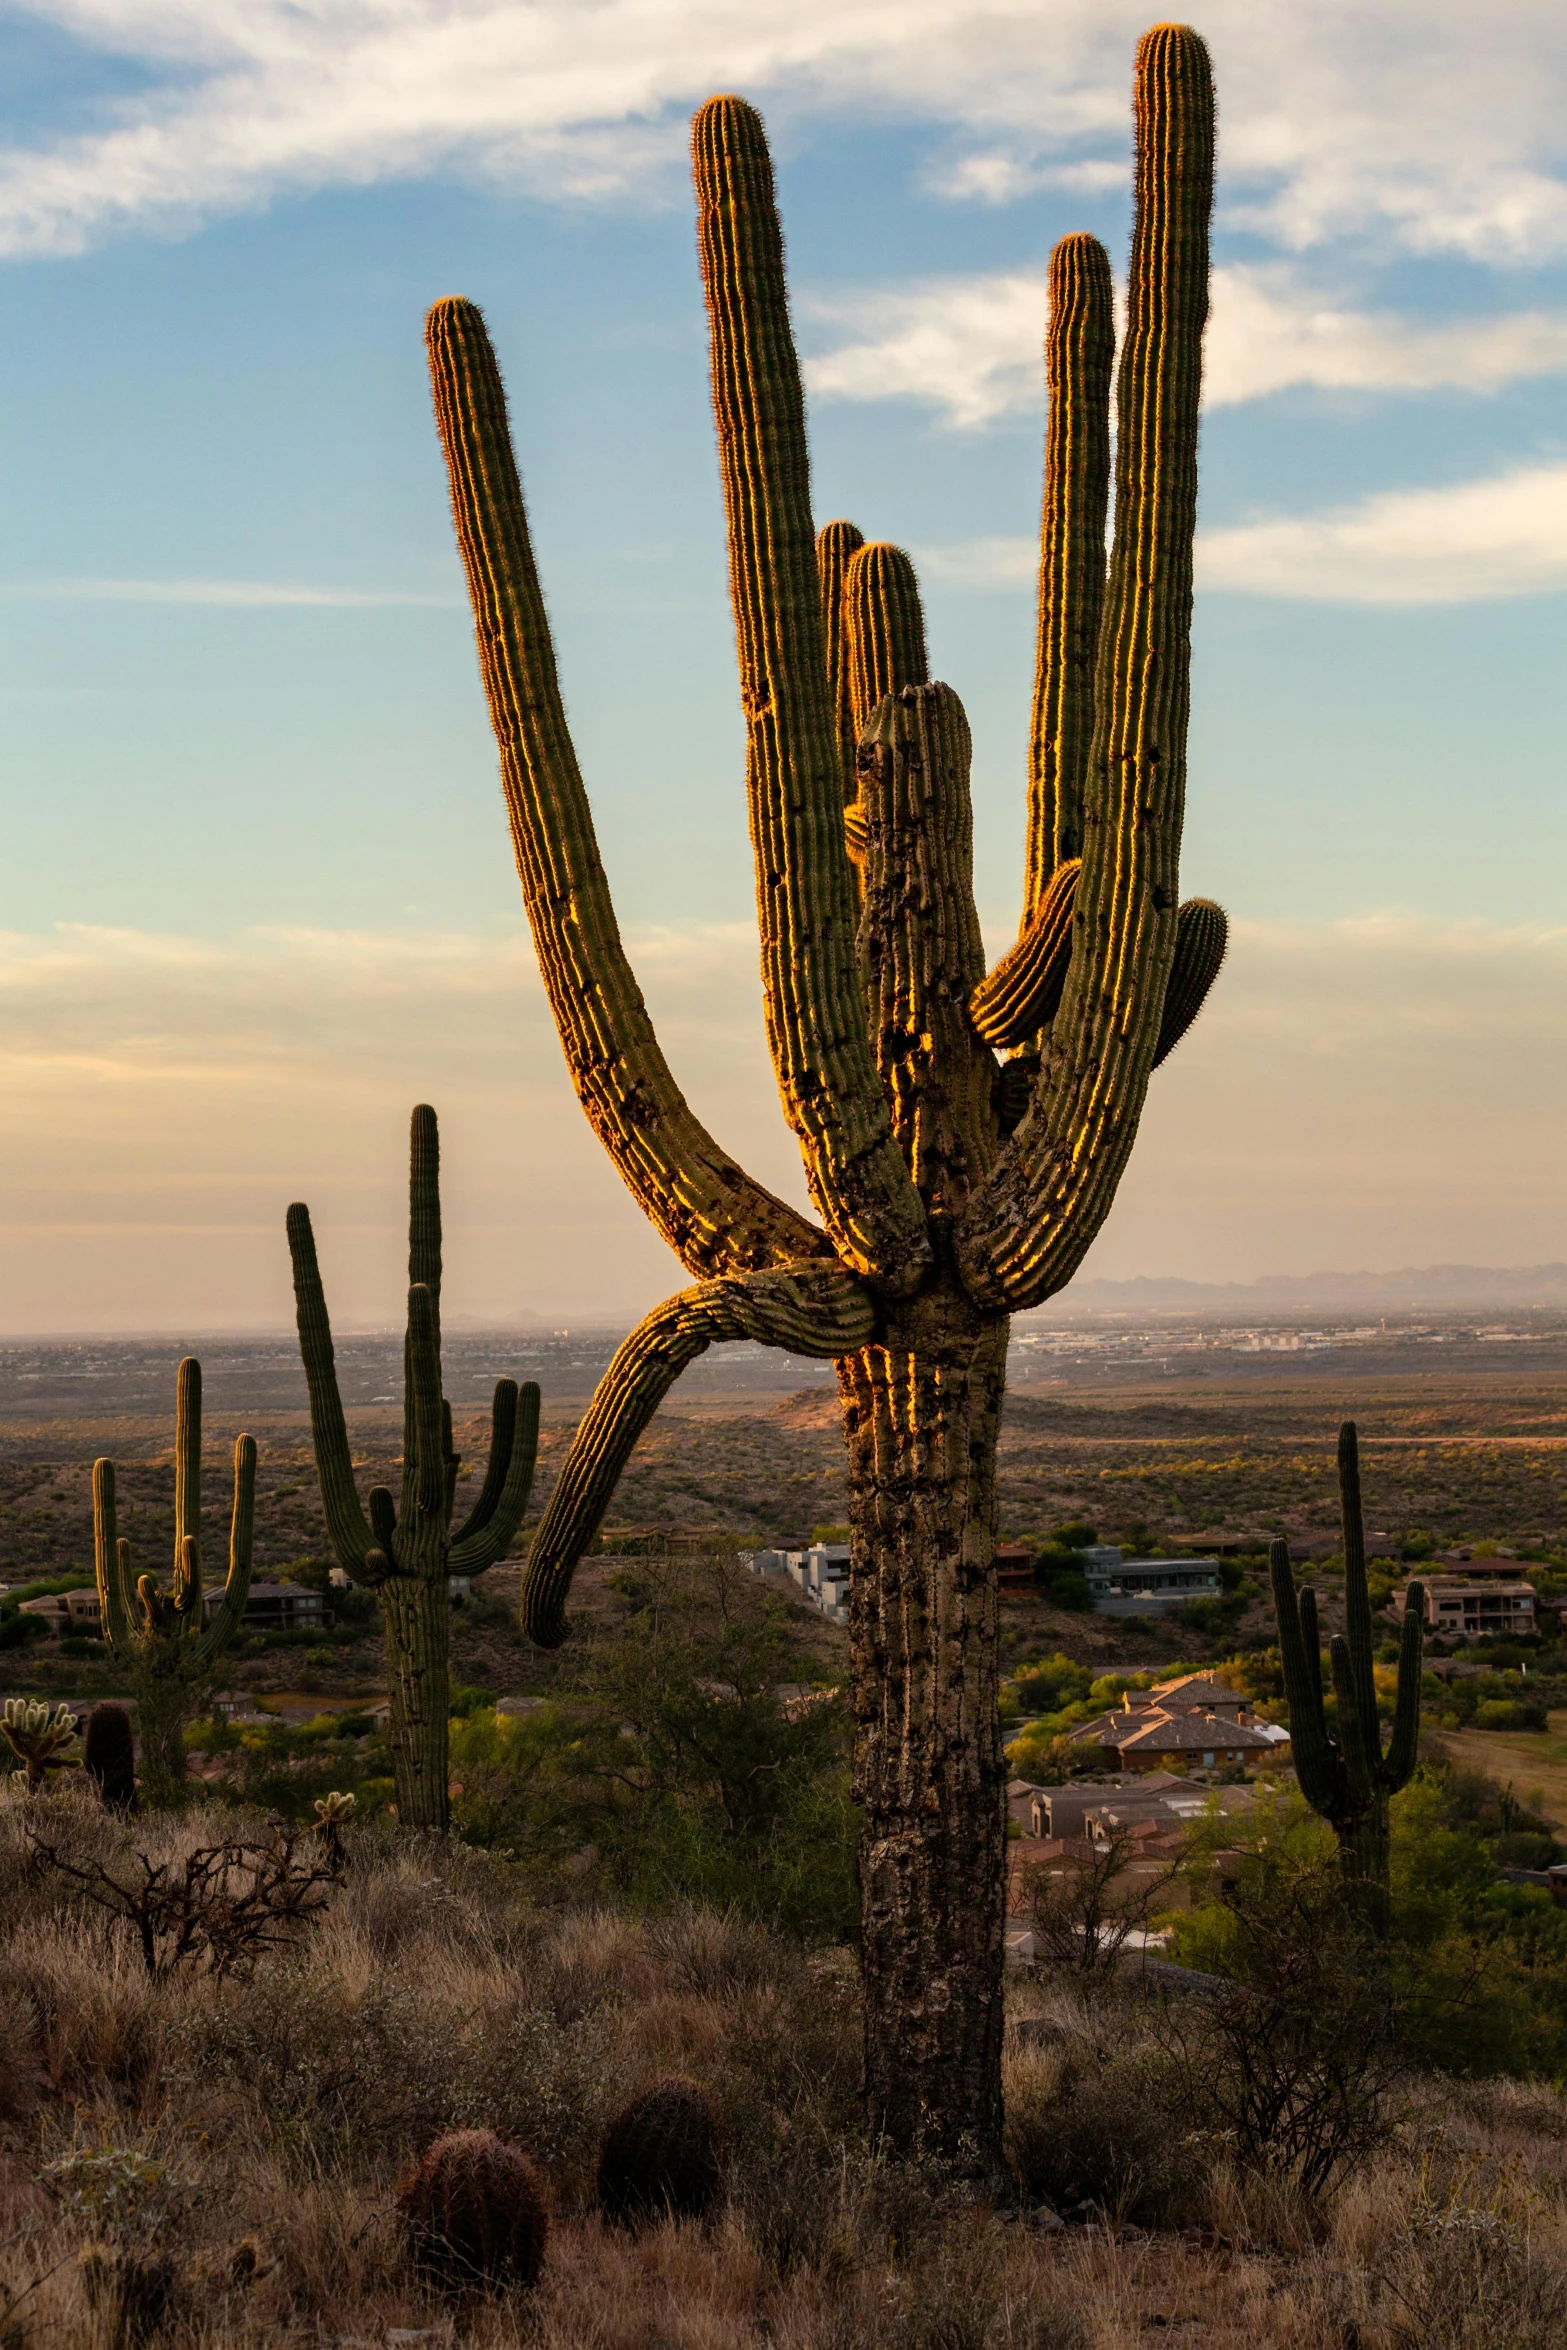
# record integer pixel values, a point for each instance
(1344, 1774)
(952, 1190)
(163, 1637)
(405, 1551)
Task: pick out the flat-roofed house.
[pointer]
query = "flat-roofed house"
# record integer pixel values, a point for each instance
(1462, 1608)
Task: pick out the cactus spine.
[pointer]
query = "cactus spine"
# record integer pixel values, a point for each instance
(39, 1738)
(163, 1637)
(952, 1191)
(404, 1551)
(1344, 1774)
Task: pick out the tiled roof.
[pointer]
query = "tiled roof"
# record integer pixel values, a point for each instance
(1189, 1734)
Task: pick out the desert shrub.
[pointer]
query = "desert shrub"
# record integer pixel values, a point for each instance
(1094, 2127)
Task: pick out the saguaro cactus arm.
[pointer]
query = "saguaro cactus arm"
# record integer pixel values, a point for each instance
(1079, 360)
(1019, 997)
(713, 1215)
(1053, 1184)
(108, 1566)
(1357, 1597)
(503, 1499)
(1404, 1745)
(187, 1493)
(1202, 932)
(810, 1309)
(236, 1589)
(837, 543)
(1318, 1765)
(805, 898)
(346, 1522)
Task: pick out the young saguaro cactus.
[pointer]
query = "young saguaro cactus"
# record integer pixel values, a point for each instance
(1344, 1774)
(405, 1550)
(952, 1190)
(163, 1636)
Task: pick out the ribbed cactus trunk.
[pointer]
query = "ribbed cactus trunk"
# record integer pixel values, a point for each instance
(922, 1414)
(416, 1623)
(952, 1190)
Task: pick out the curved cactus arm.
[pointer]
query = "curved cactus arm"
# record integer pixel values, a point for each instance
(503, 1430)
(109, 1567)
(837, 543)
(346, 1523)
(808, 1309)
(1079, 360)
(712, 1214)
(242, 1530)
(1019, 997)
(488, 1538)
(1311, 1750)
(1202, 933)
(1029, 1227)
(1404, 1746)
(816, 1029)
(187, 1493)
(1357, 1592)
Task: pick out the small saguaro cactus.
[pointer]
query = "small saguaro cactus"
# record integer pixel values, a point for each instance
(39, 1737)
(659, 2157)
(953, 1189)
(475, 2213)
(109, 1755)
(162, 1637)
(404, 1551)
(1344, 1774)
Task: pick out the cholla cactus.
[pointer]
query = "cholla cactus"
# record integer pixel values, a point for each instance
(38, 1738)
(952, 1190)
(161, 1635)
(333, 1813)
(1344, 1774)
(405, 1551)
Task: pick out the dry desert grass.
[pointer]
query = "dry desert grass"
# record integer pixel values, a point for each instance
(435, 1995)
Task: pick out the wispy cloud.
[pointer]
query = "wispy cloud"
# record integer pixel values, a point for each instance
(1502, 537)
(970, 347)
(1426, 121)
(1469, 542)
(235, 592)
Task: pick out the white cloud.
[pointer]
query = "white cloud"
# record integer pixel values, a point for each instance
(1429, 122)
(236, 592)
(1503, 537)
(971, 347)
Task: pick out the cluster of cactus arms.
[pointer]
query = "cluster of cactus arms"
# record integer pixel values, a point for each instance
(953, 1187)
(1344, 1773)
(405, 1550)
(161, 1635)
(39, 1736)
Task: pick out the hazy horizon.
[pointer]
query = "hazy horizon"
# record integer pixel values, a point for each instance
(259, 897)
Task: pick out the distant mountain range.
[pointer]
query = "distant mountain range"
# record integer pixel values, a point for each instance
(1412, 1290)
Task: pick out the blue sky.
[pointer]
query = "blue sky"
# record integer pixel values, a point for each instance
(258, 895)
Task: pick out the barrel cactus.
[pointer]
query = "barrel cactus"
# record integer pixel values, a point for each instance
(474, 2213)
(109, 1753)
(952, 1188)
(659, 2157)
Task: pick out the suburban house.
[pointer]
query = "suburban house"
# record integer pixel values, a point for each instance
(270, 1607)
(1147, 1587)
(1194, 1723)
(1473, 1608)
(820, 1568)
